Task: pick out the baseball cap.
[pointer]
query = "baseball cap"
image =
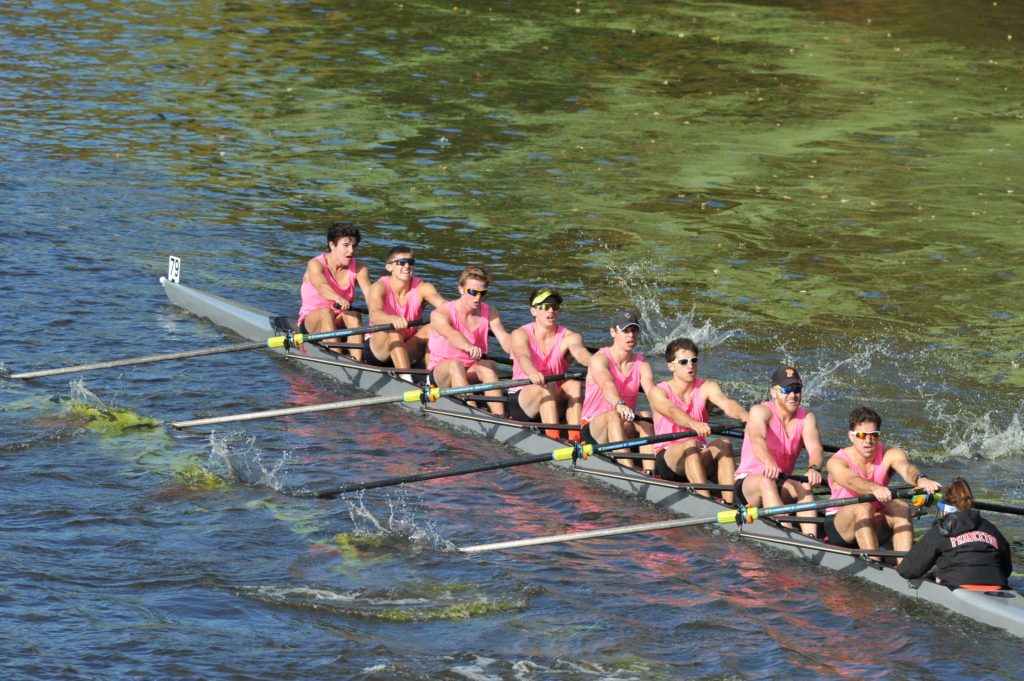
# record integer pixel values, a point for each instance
(625, 319)
(785, 377)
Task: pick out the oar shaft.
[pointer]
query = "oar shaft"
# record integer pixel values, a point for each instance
(289, 411)
(331, 492)
(998, 508)
(588, 534)
(343, 333)
(140, 360)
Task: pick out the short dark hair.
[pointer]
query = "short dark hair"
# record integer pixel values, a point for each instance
(862, 414)
(395, 250)
(680, 344)
(340, 230)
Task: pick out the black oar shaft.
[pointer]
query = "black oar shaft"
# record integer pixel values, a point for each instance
(141, 360)
(331, 492)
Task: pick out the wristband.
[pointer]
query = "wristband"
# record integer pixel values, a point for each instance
(814, 467)
(621, 402)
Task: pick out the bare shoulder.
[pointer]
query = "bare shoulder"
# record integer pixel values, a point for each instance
(759, 412)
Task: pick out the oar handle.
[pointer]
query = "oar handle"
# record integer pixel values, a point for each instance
(300, 338)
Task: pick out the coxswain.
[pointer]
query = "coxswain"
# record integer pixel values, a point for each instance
(328, 286)
(615, 376)
(865, 467)
(965, 549)
(459, 336)
(397, 299)
(543, 348)
(680, 403)
(776, 432)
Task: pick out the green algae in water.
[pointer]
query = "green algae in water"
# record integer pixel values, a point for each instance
(109, 420)
(197, 477)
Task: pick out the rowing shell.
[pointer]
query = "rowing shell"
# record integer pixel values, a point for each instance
(1001, 609)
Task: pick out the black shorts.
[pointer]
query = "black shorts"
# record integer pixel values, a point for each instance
(737, 491)
(371, 359)
(515, 412)
(586, 437)
(832, 535)
(663, 470)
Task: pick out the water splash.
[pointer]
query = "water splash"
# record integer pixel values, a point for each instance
(400, 522)
(244, 460)
(88, 410)
(970, 436)
(661, 325)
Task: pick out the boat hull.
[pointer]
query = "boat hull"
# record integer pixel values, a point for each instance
(1002, 609)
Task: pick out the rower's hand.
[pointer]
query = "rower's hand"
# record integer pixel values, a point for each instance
(473, 351)
(883, 494)
(400, 322)
(536, 377)
(928, 485)
(813, 477)
(772, 471)
(625, 413)
(701, 428)
(341, 304)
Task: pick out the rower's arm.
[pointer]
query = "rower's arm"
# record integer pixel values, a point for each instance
(598, 373)
(729, 406)
(363, 279)
(662, 404)
(440, 324)
(912, 474)
(503, 337)
(757, 432)
(428, 292)
(317, 278)
(520, 342)
(574, 346)
(840, 472)
(375, 303)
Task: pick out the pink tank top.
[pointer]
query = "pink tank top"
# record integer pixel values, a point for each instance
(439, 347)
(311, 298)
(880, 475)
(628, 387)
(552, 363)
(784, 448)
(411, 310)
(697, 409)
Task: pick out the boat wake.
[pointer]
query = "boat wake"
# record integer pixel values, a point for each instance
(244, 460)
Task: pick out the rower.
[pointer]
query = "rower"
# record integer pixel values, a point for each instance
(328, 286)
(776, 432)
(680, 403)
(614, 378)
(398, 299)
(543, 348)
(865, 467)
(965, 549)
(459, 335)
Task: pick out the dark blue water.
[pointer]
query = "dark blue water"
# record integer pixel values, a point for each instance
(231, 134)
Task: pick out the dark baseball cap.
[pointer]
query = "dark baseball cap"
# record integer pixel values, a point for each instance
(786, 376)
(625, 319)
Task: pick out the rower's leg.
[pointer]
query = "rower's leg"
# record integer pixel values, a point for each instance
(573, 391)
(416, 346)
(388, 344)
(609, 427)
(802, 493)
(322, 320)
(487, 372)
(450, 374)
(897, 515)
(352, 320)
(722, 465)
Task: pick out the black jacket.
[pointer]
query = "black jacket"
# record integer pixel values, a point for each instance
(965, 548)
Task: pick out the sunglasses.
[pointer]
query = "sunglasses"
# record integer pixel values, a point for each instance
(402, 262)
(477, 292)
(861, 435)
(547, 306)
(683, 361)
(793, 389)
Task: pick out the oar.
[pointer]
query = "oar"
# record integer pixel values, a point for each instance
(287, 340)
(998, 508)
(737, 515)
(425, 394)
(560, 454)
